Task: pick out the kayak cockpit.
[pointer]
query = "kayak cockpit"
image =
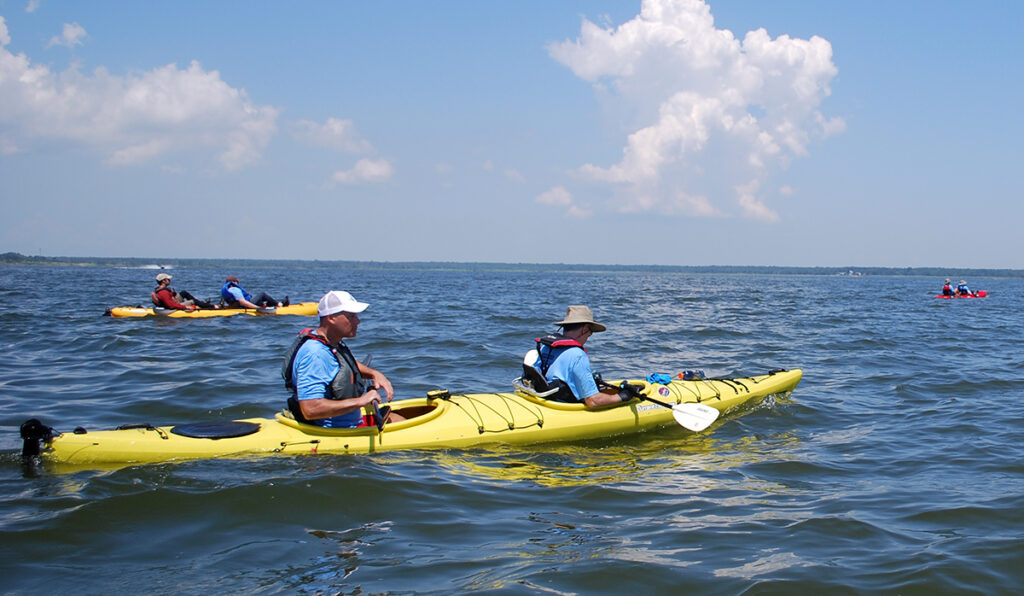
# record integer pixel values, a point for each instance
(525, 390)
(416, 411)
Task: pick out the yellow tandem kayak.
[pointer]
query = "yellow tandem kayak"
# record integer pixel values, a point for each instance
(301, 308)
(437, 421)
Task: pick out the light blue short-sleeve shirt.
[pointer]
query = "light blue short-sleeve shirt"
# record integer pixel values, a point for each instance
(313, 370)
(236, 293)
(571, 365)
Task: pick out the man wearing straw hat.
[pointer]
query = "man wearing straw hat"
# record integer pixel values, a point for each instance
(562, 358)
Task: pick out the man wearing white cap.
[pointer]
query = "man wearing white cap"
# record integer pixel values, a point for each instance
(164, 295)
(329, 388)
(562, 359)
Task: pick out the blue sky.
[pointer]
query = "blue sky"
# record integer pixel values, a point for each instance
(661, 132)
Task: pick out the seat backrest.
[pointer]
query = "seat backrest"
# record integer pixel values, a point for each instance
(293, 407)
(535, 379)
(533, 376)
(539, 386)
(557, 390)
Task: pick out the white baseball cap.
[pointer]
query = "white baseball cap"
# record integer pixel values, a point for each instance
(337, 301)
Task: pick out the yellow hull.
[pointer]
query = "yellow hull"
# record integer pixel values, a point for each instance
(461, 421)
(302, 308)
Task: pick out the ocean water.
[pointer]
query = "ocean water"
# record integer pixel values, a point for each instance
(897, 465)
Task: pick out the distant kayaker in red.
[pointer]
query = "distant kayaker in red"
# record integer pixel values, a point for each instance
(164, 296)
(947, 290)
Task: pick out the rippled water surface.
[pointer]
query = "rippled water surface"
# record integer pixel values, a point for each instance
(896, 465)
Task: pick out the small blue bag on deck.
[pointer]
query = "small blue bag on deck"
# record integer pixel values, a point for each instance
(659, 378)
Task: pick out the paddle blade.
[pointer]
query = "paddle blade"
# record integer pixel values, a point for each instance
(695, 417)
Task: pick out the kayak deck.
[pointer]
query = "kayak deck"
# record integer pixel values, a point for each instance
(458, 421)
(301, 308)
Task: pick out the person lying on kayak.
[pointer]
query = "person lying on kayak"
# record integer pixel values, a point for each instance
(234, 296)
(563, 360)
(947, 290)
(329, 388)
(962, 289)
(164, 296)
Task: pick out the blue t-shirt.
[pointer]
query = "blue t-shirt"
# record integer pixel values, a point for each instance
(571, 365)
(232, 292)
(236, 293)
(313, 370)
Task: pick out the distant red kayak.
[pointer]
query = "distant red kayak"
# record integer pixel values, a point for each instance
(978, 294)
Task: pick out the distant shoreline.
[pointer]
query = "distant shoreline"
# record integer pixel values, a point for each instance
(13, 258)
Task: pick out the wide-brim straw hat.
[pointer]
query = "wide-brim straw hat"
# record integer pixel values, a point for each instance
(578, 313)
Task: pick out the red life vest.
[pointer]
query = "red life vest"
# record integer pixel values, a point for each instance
(554, 341)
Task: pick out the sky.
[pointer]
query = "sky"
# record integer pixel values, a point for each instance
(655, 132)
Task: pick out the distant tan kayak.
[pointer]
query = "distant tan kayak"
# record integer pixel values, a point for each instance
(302, 308)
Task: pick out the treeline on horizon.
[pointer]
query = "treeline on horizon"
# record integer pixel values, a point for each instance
(13, 258)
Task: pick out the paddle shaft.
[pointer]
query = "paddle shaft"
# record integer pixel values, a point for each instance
(379, 419)
(635, 392)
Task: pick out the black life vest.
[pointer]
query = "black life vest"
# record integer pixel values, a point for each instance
(346, 384)
(554, 341)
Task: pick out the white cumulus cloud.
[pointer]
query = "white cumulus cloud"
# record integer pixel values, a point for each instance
(514, 175)
(558, 196)
(365, 170)
(713, 109)
(71, 36)
(334, 134)
(132, 118)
